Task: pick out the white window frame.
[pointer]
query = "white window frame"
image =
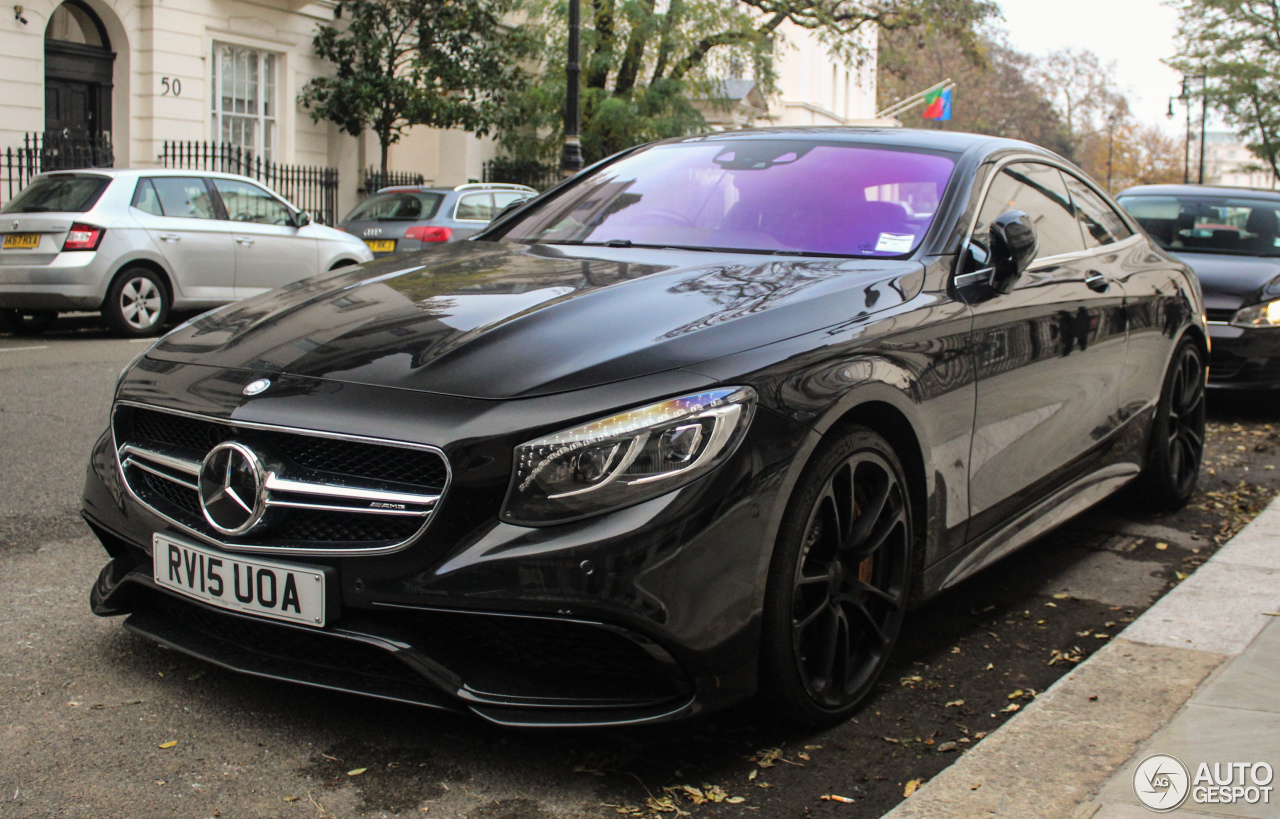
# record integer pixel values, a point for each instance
(267, 110)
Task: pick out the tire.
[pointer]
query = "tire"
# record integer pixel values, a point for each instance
(1175, 447)
(838, 583)
(137, 303)
(27, 322)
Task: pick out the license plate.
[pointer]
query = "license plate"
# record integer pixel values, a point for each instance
(381, 245)
(21, 241)
(267, 588)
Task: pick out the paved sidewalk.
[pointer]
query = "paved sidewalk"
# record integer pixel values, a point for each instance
(1197, 677)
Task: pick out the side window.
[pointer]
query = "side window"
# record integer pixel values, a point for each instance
(475, 207)
(145, 199)
(183, 196)
(249, 203)
(1101, 224)
(1038, 191)
(504, 198)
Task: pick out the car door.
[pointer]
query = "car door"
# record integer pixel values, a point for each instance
(1049, 356)
(271, 250)
(181, 217)
(1155, 304)
(472, 212)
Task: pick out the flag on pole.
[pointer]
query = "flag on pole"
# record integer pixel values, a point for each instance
(937, 105)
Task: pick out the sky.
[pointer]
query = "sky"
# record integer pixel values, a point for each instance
(1136, 34)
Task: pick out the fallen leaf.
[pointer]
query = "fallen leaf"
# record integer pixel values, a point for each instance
(356, 771)
(1010, 708)
(1061, 596)
(1181, 575)
(975, 787)
(947, 746)
(803, 755)
(980, 735)
(954, 704)
(812, 747)
(911, 787)
(1016, 694)
(989, 667)
(1101, 636)
(734, 800)
(1052, 605)
(891, 739)
(751, 777)
(291, 798)
(768, 758)
(1162, 546)
(166, 745)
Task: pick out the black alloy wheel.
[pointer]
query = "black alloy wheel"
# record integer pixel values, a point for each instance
(27, 322)
(838, 584)
(1176, 447)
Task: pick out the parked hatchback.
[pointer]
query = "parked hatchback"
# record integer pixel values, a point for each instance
(135, 244)
(405, 218)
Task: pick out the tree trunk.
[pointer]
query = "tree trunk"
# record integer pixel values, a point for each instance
(596, 74)
(669, 23)
(634, 55)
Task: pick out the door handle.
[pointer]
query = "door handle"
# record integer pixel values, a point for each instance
(1097, 282)
(244, 240)
(170, 237)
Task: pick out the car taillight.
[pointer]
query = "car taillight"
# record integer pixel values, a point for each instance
(83, 237)
(429, 233)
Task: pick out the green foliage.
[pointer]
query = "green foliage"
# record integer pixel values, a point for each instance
(1236, 44)
(400, 63)
(643, 67)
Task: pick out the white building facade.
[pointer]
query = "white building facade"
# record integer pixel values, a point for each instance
(142, 72)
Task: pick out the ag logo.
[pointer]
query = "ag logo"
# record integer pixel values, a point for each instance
(1161, 782)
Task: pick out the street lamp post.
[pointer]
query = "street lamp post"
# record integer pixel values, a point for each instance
(571, 154)
(1201, 83)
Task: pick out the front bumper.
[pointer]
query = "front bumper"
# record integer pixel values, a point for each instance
(645, 614)
(1244, 358)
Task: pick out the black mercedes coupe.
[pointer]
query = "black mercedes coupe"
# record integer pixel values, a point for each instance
(1231, 239)
(698, 425)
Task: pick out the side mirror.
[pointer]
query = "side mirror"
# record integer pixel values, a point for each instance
(1013, 247)
(303, 218)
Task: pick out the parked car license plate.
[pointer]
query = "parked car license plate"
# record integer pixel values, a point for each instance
(21, 241)
(381, 245)
(267, 588)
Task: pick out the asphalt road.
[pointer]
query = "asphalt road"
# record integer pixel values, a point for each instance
(88, 711)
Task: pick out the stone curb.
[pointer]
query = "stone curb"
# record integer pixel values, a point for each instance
(1050, 759)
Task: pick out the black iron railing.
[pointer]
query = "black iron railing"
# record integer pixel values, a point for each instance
(312, 188)
(373, 180)
(536, 175)
(51, 151)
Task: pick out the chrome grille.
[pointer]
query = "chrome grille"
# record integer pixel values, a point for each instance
(323, 494)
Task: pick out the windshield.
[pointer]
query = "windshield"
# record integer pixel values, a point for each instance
(770, 196)
(395, 206)
(58, 194)
(1209, 224)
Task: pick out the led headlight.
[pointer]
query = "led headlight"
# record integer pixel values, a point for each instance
(626, 458)
(1266, 314)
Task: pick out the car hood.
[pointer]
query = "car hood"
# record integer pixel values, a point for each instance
(1228, 282)
(491, 320)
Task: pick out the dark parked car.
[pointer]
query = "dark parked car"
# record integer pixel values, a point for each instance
(1231, 239)
(405, 218)
(698, 425)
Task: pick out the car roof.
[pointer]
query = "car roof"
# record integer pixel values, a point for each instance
(470, 186)
(123, 173)
(925, 138)
(1200, 190)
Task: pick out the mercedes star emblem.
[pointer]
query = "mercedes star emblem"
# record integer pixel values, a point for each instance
(232, 488)
(255, 387)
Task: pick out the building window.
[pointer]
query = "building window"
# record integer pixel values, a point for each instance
(244, 98)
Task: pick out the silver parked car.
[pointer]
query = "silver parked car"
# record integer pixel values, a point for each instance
(134, 244)
(404, 218)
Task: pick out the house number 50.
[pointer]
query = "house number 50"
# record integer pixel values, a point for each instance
(171, 85)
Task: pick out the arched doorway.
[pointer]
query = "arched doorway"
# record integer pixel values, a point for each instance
(78, 75)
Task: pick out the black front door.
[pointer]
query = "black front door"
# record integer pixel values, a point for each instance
(77, 89)
(72, 107)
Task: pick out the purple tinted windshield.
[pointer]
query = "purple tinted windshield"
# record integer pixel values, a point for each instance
(754, 195)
